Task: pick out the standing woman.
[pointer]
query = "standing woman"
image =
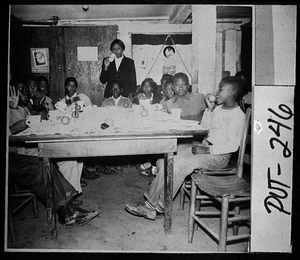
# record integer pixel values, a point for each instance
(120, 68)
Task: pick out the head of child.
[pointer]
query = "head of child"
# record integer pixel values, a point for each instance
(116, 89)
(70, 86)
(148, 86)
(22, 88)
(180, 84)
(168, 89)
(231, 90)
(43, 85)
(164, 79)
(31, 81)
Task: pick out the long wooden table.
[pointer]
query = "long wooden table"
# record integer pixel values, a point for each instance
(66, 146)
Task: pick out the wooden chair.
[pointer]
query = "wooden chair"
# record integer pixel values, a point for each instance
(21, 198)
(229, 189)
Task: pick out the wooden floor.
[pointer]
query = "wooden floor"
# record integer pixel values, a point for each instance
(115, 230)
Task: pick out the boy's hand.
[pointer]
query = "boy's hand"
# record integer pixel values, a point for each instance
(38, 98)
(14, 97)
(210, 105)
(199, 149)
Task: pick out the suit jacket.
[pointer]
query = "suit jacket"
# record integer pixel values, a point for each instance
(125, 74)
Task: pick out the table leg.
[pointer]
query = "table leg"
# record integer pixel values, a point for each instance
(168, 187)
(49, 198)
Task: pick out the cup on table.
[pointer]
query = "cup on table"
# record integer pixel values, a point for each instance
(176, 113)
(80, 103)
(33, 121)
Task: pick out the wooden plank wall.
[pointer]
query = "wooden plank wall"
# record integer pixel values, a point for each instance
(62, 43)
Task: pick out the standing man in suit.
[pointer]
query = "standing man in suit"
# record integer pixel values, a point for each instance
(120, 68)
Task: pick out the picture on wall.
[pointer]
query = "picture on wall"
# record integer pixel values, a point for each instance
(39, 60)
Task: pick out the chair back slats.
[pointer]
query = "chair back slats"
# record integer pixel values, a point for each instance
(244, 139)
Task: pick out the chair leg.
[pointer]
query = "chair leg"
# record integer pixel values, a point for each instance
(237, 210)
(11, 226)
(35, 207)
(191, 222)
(181, 197)
(223, 224)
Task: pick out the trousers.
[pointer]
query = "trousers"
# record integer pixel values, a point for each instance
(28, 171)
(185, 162)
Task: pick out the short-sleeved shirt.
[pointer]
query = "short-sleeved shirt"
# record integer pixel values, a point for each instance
(191, 104)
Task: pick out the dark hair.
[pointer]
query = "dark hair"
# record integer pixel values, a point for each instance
(115, 82)
(69, 79)
(181, 75)
(152, 83)
(238, 84)
(29, 76)
(169, 81)
(117, 41)
(42, 78)
(166, 77)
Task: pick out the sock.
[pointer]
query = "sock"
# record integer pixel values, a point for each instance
(149, 205)
(159, 209)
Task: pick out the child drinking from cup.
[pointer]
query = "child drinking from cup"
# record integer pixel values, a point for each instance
(224, 120)
(70, 93)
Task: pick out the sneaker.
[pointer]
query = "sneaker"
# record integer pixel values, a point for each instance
(80, 218)
(77, 215)
(141, 211)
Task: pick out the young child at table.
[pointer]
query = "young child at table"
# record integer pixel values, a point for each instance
(71, 96)
(168, 93)
(35, 104)
(192, 105)
(224, 120)
(148, 92)
(26, 168)
(116, 99)
(43, 86)
(163, 81)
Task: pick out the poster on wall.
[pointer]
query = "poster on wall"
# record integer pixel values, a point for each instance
(272, 173)
(39, 60)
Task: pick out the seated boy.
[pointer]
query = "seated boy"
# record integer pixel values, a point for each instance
(116, 99)
(225, 124)
(191, 104)
(26, 168)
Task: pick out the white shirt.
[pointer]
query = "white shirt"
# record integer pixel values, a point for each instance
(118, 62)
(225, 129)
(116, 100)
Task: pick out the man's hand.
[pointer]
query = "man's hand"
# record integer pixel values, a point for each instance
(14, 97)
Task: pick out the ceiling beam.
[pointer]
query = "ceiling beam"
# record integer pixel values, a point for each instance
(180, 14)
